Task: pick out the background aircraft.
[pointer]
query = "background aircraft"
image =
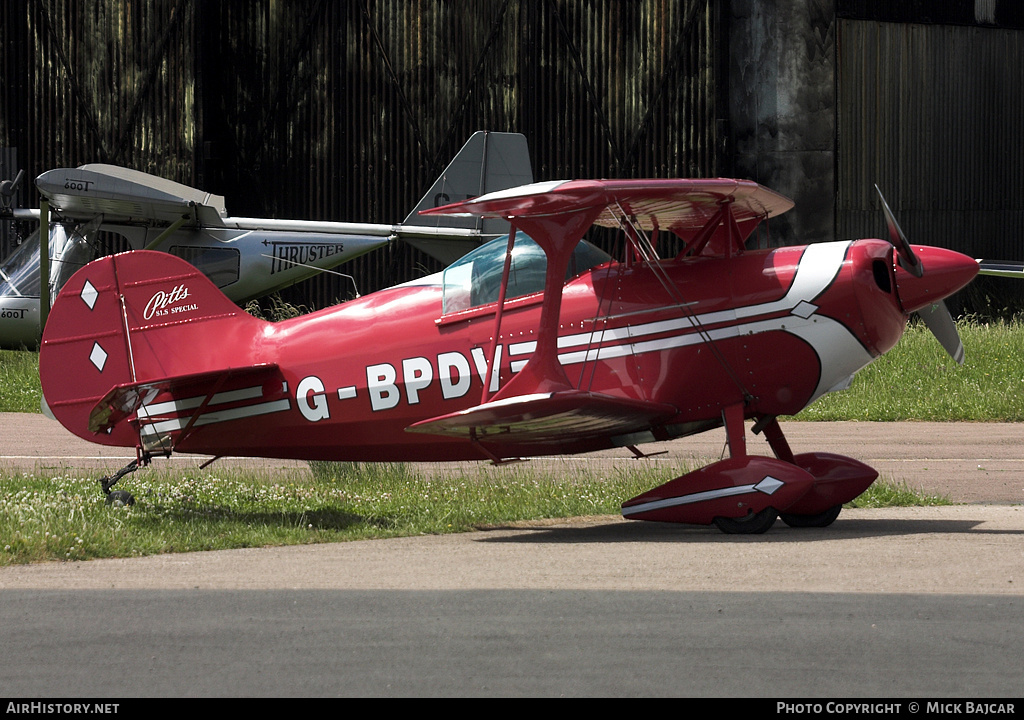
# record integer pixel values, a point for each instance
(245, 257)
(534, 344)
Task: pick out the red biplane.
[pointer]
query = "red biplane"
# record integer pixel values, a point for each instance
(534, 344)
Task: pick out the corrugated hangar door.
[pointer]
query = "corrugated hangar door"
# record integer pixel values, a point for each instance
(932, 114)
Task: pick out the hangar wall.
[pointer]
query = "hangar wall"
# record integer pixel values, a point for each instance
(931, 112)
(347, 111)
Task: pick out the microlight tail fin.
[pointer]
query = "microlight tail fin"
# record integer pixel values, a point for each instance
(489, 161)
(128, 327)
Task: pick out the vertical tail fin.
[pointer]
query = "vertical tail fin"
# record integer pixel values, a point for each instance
(489, 161)
(136, 323)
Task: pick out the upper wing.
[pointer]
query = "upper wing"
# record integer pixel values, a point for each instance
(683, 205)
(538, 404)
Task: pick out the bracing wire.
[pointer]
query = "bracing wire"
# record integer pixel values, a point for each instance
(636, 236)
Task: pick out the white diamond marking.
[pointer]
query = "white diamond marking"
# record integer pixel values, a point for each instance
(89, 294)
(769, 485)
(98, 356)
(805, 309)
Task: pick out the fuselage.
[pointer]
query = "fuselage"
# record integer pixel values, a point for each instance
(245, 263)
(772, 330)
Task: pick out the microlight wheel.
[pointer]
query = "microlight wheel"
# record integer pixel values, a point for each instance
(753, 524)
(822, 519)
(119, 498)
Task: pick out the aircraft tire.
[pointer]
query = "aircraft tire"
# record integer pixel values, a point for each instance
(119, 498)
(819, 520)
(750, 525)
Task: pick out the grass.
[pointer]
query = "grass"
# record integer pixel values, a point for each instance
(20, 390)
(47, 517)
(916, 380)
(890, 493)
(64, 516)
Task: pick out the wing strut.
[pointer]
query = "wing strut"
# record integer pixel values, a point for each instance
(498, 312)
(733, 235)
(558, 236)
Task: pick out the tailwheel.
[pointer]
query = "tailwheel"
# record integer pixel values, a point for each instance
(119, 498)
(819, 520)
(752, 524)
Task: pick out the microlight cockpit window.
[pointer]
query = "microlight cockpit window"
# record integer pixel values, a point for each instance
(220, 265)
(19, 274)
(475, 279)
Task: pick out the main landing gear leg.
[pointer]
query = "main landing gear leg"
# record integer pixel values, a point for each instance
(754, 523)
(775, 437)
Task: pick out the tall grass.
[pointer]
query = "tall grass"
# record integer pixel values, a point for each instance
(917, 380)
(20, 390)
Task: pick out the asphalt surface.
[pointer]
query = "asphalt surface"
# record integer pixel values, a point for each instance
(898, 603)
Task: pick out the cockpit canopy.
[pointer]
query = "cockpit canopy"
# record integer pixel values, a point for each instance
(475, 279)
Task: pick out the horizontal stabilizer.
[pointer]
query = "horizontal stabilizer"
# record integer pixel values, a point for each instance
(550, 418)
(202, 389)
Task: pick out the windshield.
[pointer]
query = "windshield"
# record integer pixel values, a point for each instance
(475, 279)
(19, 273)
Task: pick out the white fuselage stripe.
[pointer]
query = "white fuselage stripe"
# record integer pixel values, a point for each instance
(165, 426)
(689, 499)
(840, 352)
(818, 268)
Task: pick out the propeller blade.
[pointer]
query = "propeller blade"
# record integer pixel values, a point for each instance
(907, 259)
(936, 316)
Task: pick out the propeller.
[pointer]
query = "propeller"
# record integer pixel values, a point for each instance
(936, 316)
(7, 189)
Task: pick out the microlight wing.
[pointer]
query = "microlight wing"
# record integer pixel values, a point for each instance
(128, 196)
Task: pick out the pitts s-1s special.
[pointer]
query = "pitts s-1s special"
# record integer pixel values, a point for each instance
(537, 343)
